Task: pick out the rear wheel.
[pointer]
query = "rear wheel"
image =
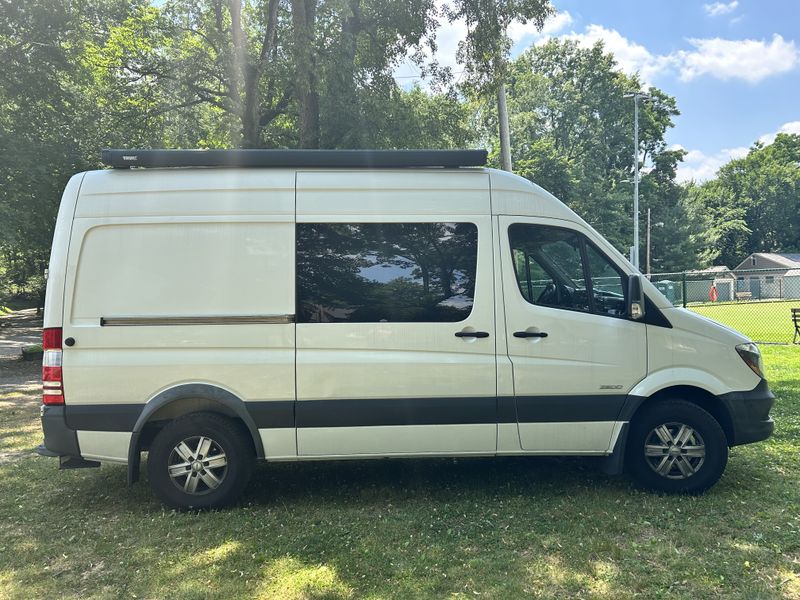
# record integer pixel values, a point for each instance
(201, 460)
(675, 446)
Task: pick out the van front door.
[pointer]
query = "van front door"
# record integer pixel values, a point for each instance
(395, 315)
(575, 354)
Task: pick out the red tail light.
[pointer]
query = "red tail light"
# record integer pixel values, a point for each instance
(52, 382)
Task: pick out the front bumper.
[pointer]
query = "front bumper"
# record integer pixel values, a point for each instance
(749, 413)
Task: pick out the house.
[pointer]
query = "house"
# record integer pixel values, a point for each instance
(699, 282)
(769, 275)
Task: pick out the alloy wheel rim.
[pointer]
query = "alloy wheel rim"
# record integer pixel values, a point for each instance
(674, 450)
(197, 465)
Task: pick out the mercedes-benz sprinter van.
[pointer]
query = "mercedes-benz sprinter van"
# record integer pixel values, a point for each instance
(214, 308)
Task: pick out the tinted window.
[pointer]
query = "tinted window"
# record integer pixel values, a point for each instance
(394, 272)
(552, 266)
(608, 284)
(548, 266)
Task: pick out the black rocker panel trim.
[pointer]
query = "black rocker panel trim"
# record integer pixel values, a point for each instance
(102, 417)
(396, 411)
(382, 411)
(569, 409)
(274, 413)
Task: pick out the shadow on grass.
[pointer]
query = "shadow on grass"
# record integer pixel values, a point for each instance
(508, 527)
(425, 479)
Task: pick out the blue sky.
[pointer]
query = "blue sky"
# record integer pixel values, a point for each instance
(734, 67)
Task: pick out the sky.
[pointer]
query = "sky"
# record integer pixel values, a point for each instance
(733, 67)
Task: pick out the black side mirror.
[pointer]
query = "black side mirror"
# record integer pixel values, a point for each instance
(635, 297)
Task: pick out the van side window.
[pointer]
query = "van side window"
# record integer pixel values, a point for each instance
(608, 284)
(560, 268)
(385, 272)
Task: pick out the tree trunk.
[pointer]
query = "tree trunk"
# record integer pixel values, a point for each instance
(303, 19)
(236, 71)
(251, 118)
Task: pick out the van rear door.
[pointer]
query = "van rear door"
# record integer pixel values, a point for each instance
(395, 319)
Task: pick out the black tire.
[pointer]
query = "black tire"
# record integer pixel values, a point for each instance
(228, 444)
(682, 467)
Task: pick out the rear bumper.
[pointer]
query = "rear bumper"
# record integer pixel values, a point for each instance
(59, 440)
(749, 413)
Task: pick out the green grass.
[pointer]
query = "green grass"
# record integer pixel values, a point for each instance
(510, 528)
(760, 321)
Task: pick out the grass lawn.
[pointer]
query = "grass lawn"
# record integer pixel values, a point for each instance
(760, 321)
(510, 528)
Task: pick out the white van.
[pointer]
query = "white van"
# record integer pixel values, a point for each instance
(307, 305)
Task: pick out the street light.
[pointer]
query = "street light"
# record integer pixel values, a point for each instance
(659, 224)
(636, 97)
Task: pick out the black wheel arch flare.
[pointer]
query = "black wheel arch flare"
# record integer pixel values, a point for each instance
(206, 396)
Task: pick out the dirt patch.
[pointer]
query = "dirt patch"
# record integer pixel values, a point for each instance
(18, 377)
(20, 382)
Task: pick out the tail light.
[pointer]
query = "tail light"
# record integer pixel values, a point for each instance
(52, 381)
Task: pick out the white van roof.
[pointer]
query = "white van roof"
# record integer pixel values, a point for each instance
(214, 191)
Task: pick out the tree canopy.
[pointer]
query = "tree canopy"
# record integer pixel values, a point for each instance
(79, 75)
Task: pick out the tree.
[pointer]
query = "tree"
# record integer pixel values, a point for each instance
(753, 205)
(46, 123)
(572, 128)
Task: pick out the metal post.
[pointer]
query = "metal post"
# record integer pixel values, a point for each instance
(683, 285)
(505, 136)
(636, 97)
(648, 243)
(636, 180)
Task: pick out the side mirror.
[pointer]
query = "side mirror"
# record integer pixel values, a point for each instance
(635, 297)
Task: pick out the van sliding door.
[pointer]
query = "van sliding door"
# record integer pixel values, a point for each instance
(395, 320)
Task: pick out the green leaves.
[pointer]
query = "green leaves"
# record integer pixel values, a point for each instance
(753, 205)
(572, 130)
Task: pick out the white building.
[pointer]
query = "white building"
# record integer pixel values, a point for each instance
(769, 275)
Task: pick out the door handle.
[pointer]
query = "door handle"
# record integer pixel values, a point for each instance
(530, 334)
(474, 334)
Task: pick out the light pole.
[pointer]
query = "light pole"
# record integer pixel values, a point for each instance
(659, 224)
(636, 96)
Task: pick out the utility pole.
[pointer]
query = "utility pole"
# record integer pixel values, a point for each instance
(505, 136)
(636, 96)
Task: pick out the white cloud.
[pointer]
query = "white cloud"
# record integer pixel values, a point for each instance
(518, 31)
(558, 23)
(630, 56)
(790, 127)
(699, 166)
(751, 60)
(748, 60)
(720, 8)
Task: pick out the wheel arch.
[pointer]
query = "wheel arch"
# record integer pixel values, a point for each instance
(691, 393)
(181, 400)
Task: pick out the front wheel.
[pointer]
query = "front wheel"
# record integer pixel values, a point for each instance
(201, 460)
(676, 447)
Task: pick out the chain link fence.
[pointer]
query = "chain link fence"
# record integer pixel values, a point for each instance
(757, 302)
